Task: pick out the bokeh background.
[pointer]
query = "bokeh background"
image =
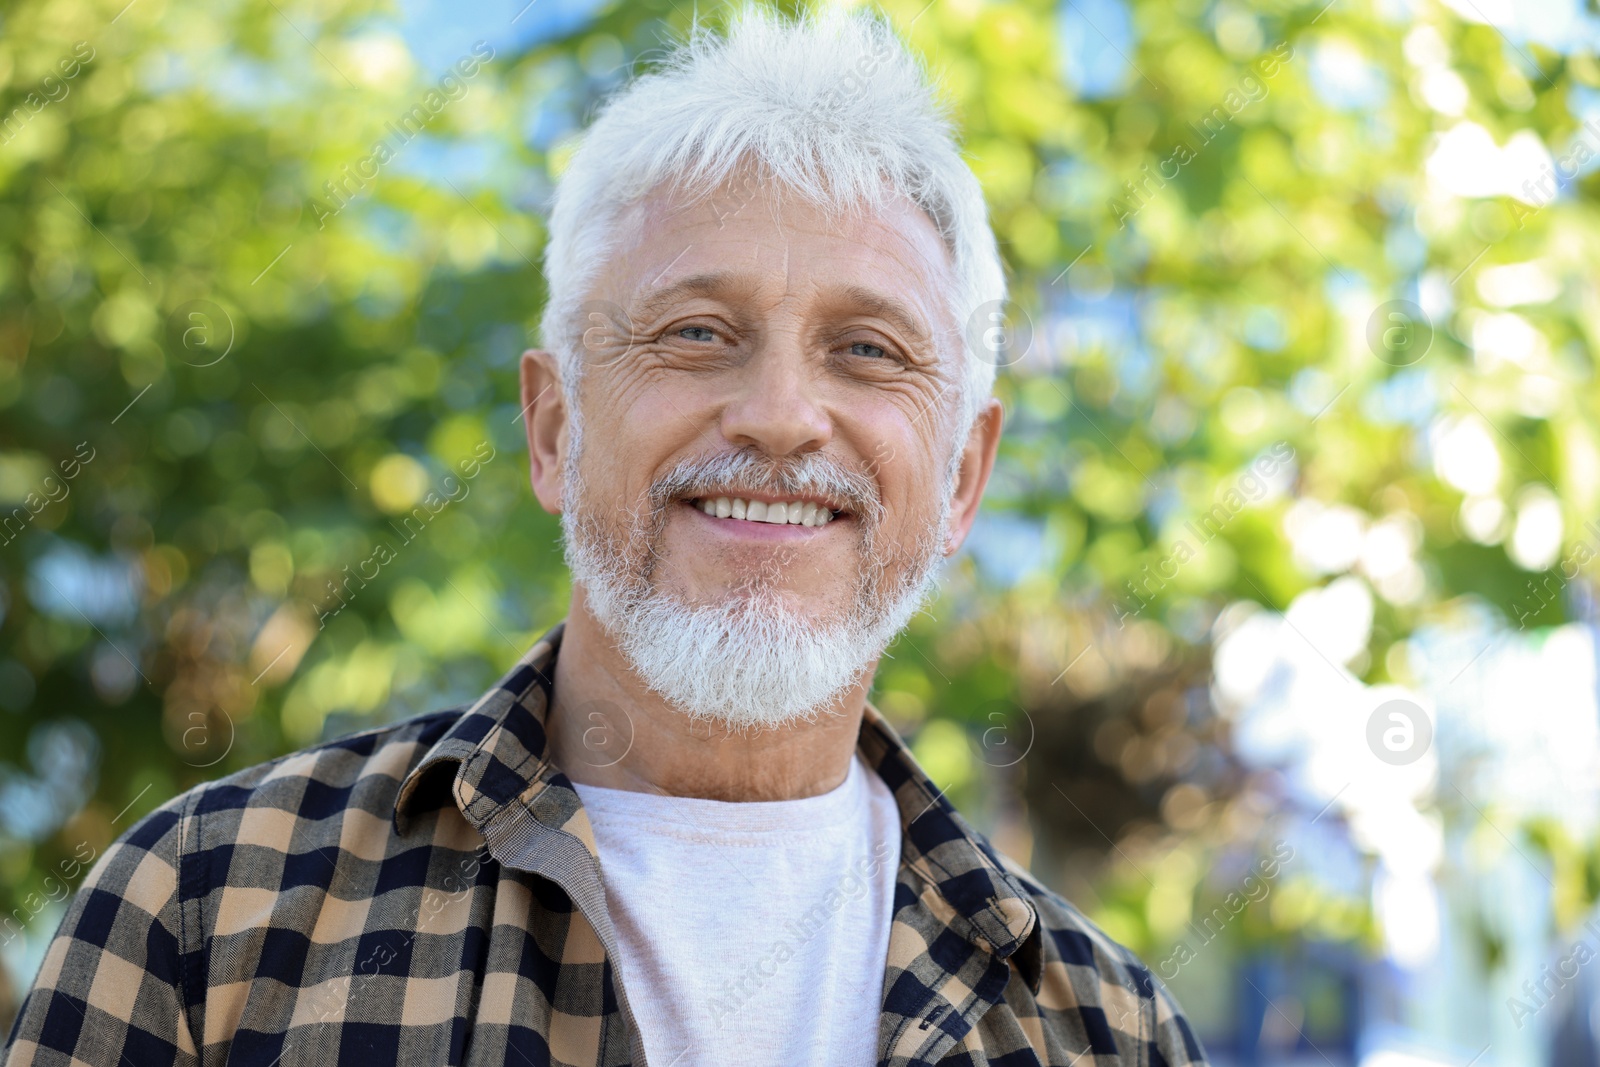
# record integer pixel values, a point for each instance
(1274, 648)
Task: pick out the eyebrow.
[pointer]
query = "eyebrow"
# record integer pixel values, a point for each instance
(709, 284)
(888, 309)
(718, 283)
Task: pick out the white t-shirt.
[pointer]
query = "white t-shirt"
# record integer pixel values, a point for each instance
(753, 932)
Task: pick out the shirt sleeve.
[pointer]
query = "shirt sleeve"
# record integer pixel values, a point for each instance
(110, 990)
(1175, 1043)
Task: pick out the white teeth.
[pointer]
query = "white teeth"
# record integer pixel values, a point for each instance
(793, 513)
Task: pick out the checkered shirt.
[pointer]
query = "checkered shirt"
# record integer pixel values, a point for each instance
(429, 892)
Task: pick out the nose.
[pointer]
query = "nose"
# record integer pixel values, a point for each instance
(776, 406)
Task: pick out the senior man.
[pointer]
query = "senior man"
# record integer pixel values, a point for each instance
(676, 832)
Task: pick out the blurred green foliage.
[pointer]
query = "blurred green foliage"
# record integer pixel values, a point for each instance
(270, 389)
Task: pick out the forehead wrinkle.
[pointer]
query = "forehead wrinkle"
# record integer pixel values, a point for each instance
(902, 314)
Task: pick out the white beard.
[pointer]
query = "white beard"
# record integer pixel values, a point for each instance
(753, 660)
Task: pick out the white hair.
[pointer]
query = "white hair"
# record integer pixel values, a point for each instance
(832, 106)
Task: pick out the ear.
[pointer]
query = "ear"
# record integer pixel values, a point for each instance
(544, 415)
(977, 461)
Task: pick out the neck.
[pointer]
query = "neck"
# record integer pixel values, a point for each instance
(606, 728)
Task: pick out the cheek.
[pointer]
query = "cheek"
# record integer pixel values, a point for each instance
(906, 456)
(625, 451)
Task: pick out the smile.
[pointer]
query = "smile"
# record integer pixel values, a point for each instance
(776, 512)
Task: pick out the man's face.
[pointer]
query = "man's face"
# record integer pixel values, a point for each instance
(754, 322)
(750, 348)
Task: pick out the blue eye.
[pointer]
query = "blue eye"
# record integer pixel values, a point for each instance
(876, 353)
(709, 336)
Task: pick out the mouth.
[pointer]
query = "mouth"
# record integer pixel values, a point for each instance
(773, 511)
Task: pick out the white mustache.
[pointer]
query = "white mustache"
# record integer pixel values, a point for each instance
(749, 470)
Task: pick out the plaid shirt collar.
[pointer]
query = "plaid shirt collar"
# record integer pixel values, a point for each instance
(211, 931)
(497, 770)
